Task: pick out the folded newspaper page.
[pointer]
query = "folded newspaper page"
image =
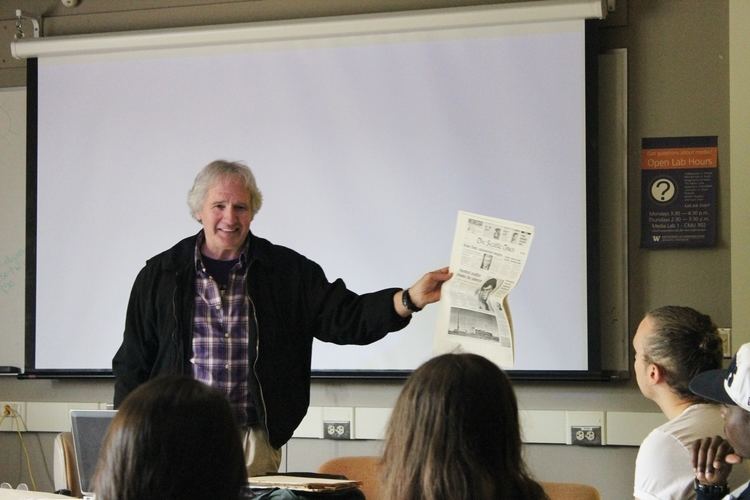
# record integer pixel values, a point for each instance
(301, 483)
(487, 259)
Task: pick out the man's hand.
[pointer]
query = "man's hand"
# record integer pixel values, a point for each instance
(713, 459)
(425, 291)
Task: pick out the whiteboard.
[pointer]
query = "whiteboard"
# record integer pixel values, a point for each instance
(12, 222)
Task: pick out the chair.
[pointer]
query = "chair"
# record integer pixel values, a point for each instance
(570, 491)
(365, 469)
(65, 469)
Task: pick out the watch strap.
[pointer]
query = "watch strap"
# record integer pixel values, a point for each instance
(408, 303)
(711, 490)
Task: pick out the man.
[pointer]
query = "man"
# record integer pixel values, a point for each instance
(484, 291)
(240, 313)
(713, 457)
(673, 344)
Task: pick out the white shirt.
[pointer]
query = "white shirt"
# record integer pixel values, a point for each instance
(739, 491)
(663, 467)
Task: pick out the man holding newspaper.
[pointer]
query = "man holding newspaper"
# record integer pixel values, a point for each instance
(240, 313)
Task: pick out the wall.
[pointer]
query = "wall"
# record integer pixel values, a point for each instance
(739, 123)
(678, 53)
(678, 86)
(12, 215)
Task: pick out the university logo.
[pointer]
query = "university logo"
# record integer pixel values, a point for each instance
(731, 371)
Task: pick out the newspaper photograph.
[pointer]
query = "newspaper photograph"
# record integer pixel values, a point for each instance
(487, 259)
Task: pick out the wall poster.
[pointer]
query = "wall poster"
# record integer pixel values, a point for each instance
(679, 183)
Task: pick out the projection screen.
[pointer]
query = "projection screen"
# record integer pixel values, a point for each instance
(366, 135)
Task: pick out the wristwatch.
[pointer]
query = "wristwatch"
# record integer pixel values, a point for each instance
(407, 302)
(711, 490)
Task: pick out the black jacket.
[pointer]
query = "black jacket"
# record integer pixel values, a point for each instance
(294, 302)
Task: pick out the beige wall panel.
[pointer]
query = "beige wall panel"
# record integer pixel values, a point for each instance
(678, 70)
(739, 84)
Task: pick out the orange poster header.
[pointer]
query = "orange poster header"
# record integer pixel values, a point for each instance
(666, 158)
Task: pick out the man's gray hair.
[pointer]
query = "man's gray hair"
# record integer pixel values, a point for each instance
(221, 169)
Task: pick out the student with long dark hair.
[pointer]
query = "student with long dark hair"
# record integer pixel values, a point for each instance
(454, 434)
(173, 438)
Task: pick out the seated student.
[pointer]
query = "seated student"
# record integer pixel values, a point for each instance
(673, 344)
(454, 434)
(173, 438)
(713, 457)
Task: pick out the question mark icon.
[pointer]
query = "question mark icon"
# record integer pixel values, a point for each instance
(662, 190)
(665, 184)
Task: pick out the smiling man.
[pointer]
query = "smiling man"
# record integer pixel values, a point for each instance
(239, 313)
(225, 215)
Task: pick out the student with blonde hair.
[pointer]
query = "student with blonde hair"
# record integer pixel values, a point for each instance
(454, 434)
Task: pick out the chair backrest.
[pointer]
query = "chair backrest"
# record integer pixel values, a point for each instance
(570, 491)
(365, 469)
(65, 471)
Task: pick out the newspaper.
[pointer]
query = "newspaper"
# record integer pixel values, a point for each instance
(487, 259)
(302, 483)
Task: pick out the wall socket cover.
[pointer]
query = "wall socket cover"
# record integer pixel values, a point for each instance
(12, 415)
(726, 341)
(337, 430)
(586, 436)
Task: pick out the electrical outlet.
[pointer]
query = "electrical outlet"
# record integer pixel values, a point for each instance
(726, 341)
(11, 413)
(586, 436)
(585, 421)
(337, 430)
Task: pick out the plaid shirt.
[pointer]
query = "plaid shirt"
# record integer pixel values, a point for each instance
(221, 334)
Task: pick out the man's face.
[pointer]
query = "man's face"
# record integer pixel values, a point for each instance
(737, 429)
(225, 216)
(641, 366)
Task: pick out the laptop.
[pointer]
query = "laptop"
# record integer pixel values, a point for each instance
(89, 428)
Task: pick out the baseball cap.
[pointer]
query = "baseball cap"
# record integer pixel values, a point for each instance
(730, 386)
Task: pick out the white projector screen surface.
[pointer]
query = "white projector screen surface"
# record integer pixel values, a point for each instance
(365, 148)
